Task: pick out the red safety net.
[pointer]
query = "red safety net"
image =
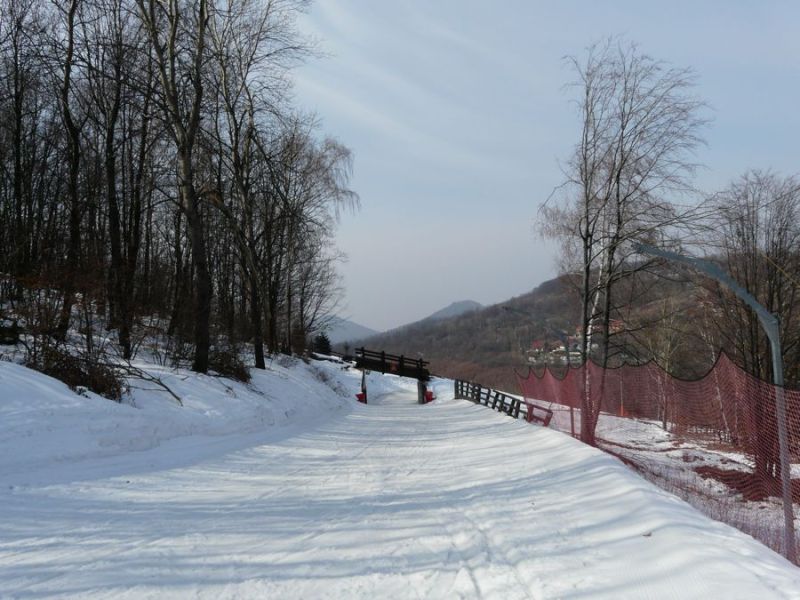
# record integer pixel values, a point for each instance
(714, 441)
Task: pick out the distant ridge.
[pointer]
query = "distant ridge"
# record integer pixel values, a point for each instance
(454, 310)
(341, 330)
(484, 343)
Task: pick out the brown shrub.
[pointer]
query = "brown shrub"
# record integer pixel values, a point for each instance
(78, 372)
(226, 362)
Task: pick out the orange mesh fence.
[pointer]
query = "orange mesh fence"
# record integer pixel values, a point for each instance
(713, 441)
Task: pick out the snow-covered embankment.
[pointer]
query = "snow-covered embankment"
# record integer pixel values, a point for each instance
(338, 500)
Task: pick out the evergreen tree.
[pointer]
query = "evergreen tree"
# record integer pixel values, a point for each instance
(322, 344)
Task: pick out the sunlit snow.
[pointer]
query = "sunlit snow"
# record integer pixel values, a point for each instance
(288, 488)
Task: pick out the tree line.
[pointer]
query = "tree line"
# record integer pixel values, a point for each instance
(631, 178)
(154, 172)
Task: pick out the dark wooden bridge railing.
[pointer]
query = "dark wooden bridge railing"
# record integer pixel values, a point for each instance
(392, 363)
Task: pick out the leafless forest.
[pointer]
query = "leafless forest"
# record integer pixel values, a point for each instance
(156, 178)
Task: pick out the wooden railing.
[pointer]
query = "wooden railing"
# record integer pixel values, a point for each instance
(499, 401)
(392, 363)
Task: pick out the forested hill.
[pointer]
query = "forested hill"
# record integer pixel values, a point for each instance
(664, 319)
(486, 344)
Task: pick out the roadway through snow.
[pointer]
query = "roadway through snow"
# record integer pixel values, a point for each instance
(390, 500)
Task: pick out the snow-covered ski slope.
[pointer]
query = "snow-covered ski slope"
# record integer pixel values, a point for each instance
(290, 489)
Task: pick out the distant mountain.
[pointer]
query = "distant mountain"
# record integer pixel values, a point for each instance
(342, 330)
(484, 344)
(355, 332)
(454, 310)
(489, 344)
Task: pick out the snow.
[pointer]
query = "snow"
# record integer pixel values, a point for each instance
(669, 460)
(288, 488)
(44, 422)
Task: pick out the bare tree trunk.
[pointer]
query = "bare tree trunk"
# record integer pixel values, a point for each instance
(182, 102)
(73, 192)
(180, 276)
(197, 240)
(120, 299)
(255, 318)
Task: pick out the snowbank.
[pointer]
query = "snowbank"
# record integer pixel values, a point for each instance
(45, 424)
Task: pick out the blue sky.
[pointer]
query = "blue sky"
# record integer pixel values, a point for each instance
(459, 114)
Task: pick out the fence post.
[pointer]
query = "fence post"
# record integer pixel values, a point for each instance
(364, 385)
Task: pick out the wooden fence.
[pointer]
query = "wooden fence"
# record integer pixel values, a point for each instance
(501, 402)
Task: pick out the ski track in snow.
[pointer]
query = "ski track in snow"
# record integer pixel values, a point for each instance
(389, 500)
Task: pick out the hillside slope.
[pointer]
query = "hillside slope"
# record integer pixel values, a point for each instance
(487, 344)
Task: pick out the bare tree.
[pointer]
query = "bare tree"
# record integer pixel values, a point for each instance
(640, 128)
(178, 36)
(18, 33)
(129, 130)
(755, 227)
(310, 180)
(120, 88)
(757, 232)
(72, 124)
(32, 161)
(249, 82)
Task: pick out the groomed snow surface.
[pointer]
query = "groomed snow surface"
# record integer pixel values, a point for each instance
(288, 488)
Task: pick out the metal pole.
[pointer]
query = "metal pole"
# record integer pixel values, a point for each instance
(771, 327)
(783, 443)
